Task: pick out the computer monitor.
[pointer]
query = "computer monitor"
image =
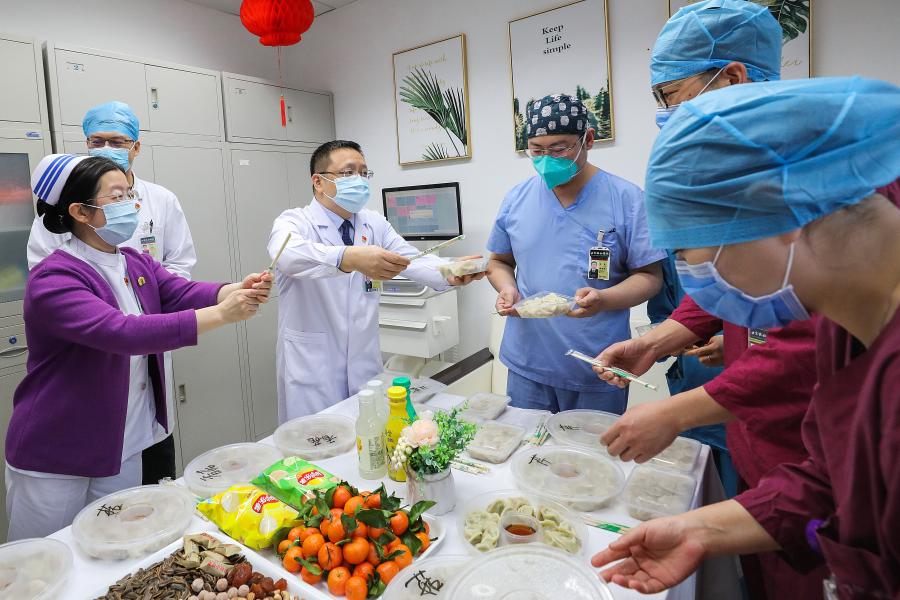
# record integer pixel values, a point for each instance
(424, 212)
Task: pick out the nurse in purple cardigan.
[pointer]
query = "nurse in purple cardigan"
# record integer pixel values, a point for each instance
(98, 318)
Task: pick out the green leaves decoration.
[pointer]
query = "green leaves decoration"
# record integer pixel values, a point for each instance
(421, 89)
(792, 15)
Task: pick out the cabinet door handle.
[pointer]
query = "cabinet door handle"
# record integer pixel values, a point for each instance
(290, 117)
(13, 352)
(154, 97)
(182, 394)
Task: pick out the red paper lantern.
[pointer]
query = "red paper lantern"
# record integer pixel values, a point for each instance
(277, 22)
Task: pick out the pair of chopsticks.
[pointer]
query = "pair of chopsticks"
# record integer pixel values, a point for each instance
(540, 435)
(604, 525)
(271, 267)
(615, 370)
(467, 466)
(440, 246)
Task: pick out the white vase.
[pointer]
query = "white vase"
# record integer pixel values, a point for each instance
(438, 487)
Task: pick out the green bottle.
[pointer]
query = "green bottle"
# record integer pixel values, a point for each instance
(404, 382)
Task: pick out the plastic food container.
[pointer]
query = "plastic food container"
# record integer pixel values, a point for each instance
(485, 406)
(458, 267)
(527, 572)
(544, 305)
(428, 579)
(652, 493)
(484, 522)
(316, 437)
(215, 471)
(680, 455)
(495, 442)
(35, 568)
(581, 428)
(582, 480)
(133, 522)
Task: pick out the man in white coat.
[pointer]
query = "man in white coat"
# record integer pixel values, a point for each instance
(112, 130)
(328, 283)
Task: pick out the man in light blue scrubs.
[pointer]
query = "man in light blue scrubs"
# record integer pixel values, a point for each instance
(576, 230)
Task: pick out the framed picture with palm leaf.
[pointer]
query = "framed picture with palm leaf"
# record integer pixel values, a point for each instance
(563, 50)
(431, 97)
(795, 18)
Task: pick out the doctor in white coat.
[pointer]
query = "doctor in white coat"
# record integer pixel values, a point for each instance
(328, 278)
(112, 130)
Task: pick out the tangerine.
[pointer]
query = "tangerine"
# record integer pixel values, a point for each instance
(337, 581)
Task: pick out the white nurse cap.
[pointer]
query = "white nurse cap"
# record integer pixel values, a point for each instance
(51, 175)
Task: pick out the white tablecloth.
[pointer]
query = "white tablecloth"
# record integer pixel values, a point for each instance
(719, 577)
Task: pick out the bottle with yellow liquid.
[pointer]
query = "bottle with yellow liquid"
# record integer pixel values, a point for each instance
(397, 420)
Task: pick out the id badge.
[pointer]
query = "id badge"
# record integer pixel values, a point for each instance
(598, 263)
(373, 286)
(148, 245)
(756, 336)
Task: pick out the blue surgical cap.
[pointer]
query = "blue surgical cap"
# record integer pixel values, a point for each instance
(112, 116)
(752, 161)
(711, 34)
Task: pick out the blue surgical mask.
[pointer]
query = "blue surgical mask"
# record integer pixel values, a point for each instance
(707, 288)
(121, 221)
(117, 155)
(663, 114)
(556, 171)
(352, 192)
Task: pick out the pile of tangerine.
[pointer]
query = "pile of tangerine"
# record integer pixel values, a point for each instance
(355, 541)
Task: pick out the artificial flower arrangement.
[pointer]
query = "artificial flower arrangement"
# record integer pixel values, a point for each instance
(431, 442)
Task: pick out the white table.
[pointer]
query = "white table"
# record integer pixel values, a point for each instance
(718, 580)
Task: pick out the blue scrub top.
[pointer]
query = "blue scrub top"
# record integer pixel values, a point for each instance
(550, 245)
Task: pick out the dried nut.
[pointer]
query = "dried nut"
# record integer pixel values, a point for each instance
(267, 585)
(193, 598)
(197, 585)
(221, 585)
(221, 596)
(251, 596)
(281, 585)
(244, 590)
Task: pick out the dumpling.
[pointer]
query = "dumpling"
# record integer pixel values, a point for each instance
(562, 540)
(489, 538)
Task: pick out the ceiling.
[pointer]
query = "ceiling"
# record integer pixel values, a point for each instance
(234, 6)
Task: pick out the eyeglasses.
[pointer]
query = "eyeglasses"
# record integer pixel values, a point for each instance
(117, 197)
(661, 91)
(118, 143)
(556, 151)
(350, 173)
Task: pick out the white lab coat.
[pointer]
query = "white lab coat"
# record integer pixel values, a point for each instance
(328, 345)
(162, 231)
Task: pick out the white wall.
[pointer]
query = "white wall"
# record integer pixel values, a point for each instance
(169, 30)
(348, 51)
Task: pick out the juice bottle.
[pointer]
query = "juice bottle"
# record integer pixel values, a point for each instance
(370, 445)
(405, 383)
(381, 403)
(397, 420)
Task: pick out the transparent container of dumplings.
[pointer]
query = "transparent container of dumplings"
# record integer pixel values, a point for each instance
(544, 305)
(558, 527)
(34, 568)
(584, 481)
(528, 572)
(316, 437)
(215, 471)
(495, 442)
(429, 579)
(680, 455)
(581, 428)
(652, 493)
(484, 406)
(133, 522)
(458, 267)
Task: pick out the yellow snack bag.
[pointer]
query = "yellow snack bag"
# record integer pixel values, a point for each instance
(249, 515)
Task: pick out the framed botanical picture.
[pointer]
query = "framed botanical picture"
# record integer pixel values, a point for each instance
(431, 97)
(563, 50)
(795, 18)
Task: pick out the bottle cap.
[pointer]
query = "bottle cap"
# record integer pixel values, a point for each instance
(396, 394)
(403, 381)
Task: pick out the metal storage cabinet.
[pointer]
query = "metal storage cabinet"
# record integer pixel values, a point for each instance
(209, 398)
(253, 113)
(182, 101)
(167, 98)
(18, 74)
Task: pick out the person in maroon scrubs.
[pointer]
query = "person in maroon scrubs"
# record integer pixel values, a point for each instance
(770, 188)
